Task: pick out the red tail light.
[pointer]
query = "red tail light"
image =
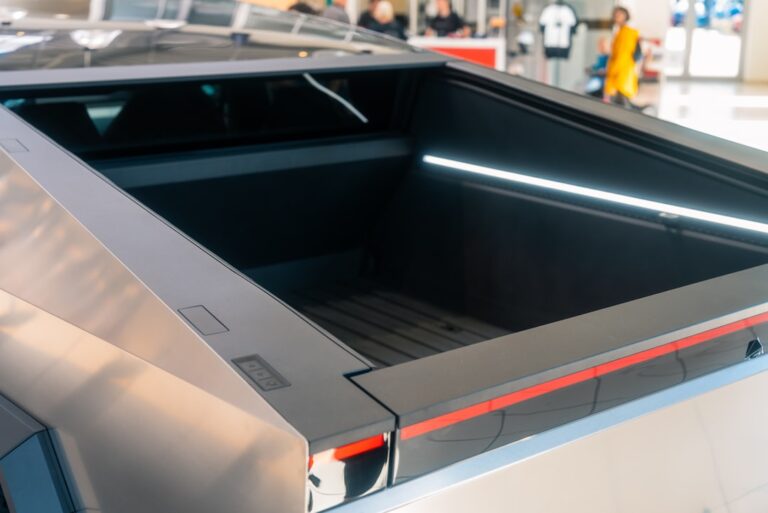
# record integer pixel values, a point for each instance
(347, 472)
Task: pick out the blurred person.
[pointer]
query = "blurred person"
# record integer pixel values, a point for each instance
(337, 11)
(515, 30)
(367, 19)
(447, 23)
(518, 11)
(385, 22)
(525, 41)
(596, 73)
(621, 77)
(302, 8)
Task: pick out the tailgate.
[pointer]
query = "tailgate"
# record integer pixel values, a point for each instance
(462, 403)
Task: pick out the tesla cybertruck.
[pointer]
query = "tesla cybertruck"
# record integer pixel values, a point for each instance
(287, 269)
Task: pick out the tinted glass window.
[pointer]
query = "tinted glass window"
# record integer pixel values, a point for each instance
(316, 27)
(41, 49)
(191, 115)
(142, 9)
(212, 12)
(133, 9)
(140, 45)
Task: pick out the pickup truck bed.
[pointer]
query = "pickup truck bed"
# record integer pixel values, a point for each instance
(385, 326)
(373, 250)
(410, 314)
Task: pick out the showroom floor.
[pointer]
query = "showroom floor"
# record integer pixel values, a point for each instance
(730, 110)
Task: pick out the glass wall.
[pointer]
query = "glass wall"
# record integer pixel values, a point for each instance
(704, 39)
(526, 45)
(212, 12)
(137, 9)
(202, 12)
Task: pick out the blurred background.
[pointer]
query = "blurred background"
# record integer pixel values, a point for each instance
(700, 63)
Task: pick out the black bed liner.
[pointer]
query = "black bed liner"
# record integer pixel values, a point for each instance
(385, 326)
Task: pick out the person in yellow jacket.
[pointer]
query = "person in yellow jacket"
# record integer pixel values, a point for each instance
(621, 74)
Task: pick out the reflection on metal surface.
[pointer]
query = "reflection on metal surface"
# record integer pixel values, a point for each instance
(755, 349)
(708, 454)
(94, 39)
(266, 36)
(177, 421)
(698, 447)
(440, 441)
(11, 43)
(120, 247)
(553, 385)
(348, 472)
(161, 24)
(137, 438)
(10, 14)
(48, 258)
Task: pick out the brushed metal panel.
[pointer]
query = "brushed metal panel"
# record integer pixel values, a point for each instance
(705, 454)
(78, 247)
(137, 438)
(202, 319)
(13, 146)
(49, 258)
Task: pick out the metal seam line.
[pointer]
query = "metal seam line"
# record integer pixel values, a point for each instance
(661, 208)
(504, 401)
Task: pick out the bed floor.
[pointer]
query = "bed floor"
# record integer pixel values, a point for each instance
(386, 327)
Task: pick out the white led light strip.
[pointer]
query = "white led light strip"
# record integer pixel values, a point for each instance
(661, 208)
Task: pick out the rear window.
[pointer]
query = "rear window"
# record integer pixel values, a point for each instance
(135, 120)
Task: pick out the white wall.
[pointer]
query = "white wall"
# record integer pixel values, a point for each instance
(650, 17)
(756, 43)
(593, 9)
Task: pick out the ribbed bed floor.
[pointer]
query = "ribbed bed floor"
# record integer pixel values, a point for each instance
(386, 327)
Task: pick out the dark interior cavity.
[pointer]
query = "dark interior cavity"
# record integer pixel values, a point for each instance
(400, 260)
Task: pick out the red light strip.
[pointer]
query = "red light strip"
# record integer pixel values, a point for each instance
(348, 451)
(356, 448)
(476, 410)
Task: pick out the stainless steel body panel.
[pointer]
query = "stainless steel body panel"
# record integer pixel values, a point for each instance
(146, 415)
(134, 437)
(52, 261)
(697, 447)
(87, 256)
